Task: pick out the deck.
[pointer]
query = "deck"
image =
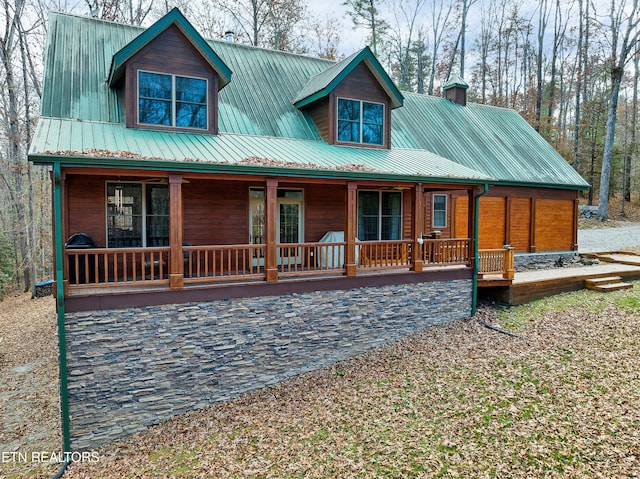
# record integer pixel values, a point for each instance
(530, 285)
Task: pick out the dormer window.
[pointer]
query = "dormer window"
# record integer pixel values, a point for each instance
(360, 122)
(172, 100)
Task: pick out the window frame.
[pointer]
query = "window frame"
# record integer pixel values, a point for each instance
(174, 101)
(433, 210)
(380, 215)
(361, 122)
(143, 212)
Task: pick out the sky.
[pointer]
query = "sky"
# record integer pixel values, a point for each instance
(350, 38)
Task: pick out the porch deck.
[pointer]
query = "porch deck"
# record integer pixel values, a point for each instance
(530, 285)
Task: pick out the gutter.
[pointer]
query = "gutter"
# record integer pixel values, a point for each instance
(476, 254)
(62, 340)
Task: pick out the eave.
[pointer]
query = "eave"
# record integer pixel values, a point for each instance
(172, 166)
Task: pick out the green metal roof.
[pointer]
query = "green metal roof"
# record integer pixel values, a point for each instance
(174, 17)
(320, 85)
(492, 142)
(496, 141)
(102, 143)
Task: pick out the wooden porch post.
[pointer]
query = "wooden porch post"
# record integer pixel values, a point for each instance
(271, 210)
(176, 261)
(350, 229)
(417, 229)
(471, 226)
(532, 232)
(575, 224)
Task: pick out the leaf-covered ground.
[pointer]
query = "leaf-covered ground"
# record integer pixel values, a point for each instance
(563, 400)
(29, 417)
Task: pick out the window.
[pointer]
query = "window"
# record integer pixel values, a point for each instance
(439, 211)
(172, 100)
(360, 122)
(379, 215)
(137, 215)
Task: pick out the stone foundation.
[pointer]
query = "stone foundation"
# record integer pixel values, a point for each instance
(131, 368)
(529, 261)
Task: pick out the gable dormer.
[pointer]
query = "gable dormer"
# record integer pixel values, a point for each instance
(351, 102)
(170, 77)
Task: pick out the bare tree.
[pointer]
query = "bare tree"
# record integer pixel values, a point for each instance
(544, 11)
(266, 23)
(466, 5)
(325, 37)
(133, 12)
(624, 34)
(441, 16)
(401, 38)
(11, 125)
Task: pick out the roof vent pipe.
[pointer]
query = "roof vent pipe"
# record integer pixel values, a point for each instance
(229, 36)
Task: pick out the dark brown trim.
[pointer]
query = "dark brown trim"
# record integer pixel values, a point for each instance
(221, 292)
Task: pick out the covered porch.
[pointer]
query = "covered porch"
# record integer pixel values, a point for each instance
(204, 230)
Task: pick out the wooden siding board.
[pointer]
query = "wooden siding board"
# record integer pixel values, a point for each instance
(325, 210)
(554, 220)
(520, 224)
(86, 207)
(407, 215)
(492, 222)
(215, 212)
(461, 217)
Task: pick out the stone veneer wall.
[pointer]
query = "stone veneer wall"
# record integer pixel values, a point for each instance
(131, 368)
(529, 261)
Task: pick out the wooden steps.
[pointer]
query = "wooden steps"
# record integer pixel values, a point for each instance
(608, 283)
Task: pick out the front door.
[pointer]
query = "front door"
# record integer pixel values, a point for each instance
(289, 224)
(289, 229)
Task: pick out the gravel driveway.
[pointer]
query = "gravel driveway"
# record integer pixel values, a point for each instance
(609, 239)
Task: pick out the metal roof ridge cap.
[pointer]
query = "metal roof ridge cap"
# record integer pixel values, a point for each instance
(93, 19)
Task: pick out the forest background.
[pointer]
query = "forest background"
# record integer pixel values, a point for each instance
(569, 67)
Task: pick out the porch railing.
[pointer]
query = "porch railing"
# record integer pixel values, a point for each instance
(110, 267)
(301, 259)
(447, 251)
(223, 263)
(116, 266)
(373, 255)
(496, 262)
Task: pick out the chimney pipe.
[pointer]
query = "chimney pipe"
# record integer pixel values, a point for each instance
(229, 36)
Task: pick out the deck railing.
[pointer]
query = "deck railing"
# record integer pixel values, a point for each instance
(392, 254)
(496, 262)
(303, 259)
(116, 266)
(223, 263)
(219, 263)
(447, 251)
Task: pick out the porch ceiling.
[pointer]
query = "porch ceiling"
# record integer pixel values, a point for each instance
(114, 145)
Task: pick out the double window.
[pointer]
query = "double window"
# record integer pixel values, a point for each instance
(379, 215)
(360, 122)
(137, 215)
(172, 100)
